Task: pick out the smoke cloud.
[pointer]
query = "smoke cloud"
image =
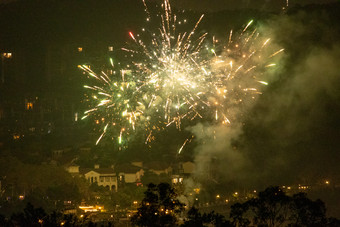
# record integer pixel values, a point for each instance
(289, 135)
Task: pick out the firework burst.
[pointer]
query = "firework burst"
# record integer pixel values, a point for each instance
(172, 73)
(176, 76)
(237, 68)
(114, 106)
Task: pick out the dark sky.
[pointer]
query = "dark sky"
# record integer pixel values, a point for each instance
(216, 5)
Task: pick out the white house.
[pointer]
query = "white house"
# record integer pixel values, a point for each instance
(103, 177)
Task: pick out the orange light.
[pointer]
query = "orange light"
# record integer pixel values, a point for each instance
(7, 55)
(29, 105)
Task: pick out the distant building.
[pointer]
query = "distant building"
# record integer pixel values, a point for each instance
(129, 173)
(105, 177)
(176, 179)
(73, 169)
(187, 168)
(182, 171)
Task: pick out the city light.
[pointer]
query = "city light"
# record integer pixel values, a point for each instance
(7, 55)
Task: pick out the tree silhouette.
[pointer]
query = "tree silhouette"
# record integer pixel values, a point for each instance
(237, 214)
(30, 217)
(270, 208)
(273, 207)
(306, 212)
(194, 218)
(159, 207)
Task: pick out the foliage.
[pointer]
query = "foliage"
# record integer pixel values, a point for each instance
(32, 216)
(151, 177)
(159, 207)
(127, 195)
(196, 219)
(42, 185)
(274, 208)
(307, 212)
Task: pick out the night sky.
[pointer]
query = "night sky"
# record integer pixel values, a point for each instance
(270, 5)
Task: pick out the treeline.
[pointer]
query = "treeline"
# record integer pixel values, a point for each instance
(161, 207)
(272, 207)
(44, 185)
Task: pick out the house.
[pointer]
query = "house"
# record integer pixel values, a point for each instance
(73, 169)
(182, 171)
(128, 173)
(188, 168)
(105, 177)
(176, 179)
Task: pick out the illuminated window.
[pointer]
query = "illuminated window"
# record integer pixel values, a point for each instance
(7, 55)
(110, 48)
(29, 105)
(80, 49)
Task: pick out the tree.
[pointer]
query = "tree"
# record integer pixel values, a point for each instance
(159, 207)
(196, 219)
(237, 214)
(151, 177)
(274, 208)
(307, 212)
(30, 217)
(270, 208)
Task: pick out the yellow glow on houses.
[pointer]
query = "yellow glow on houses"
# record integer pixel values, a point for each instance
(96, 208)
